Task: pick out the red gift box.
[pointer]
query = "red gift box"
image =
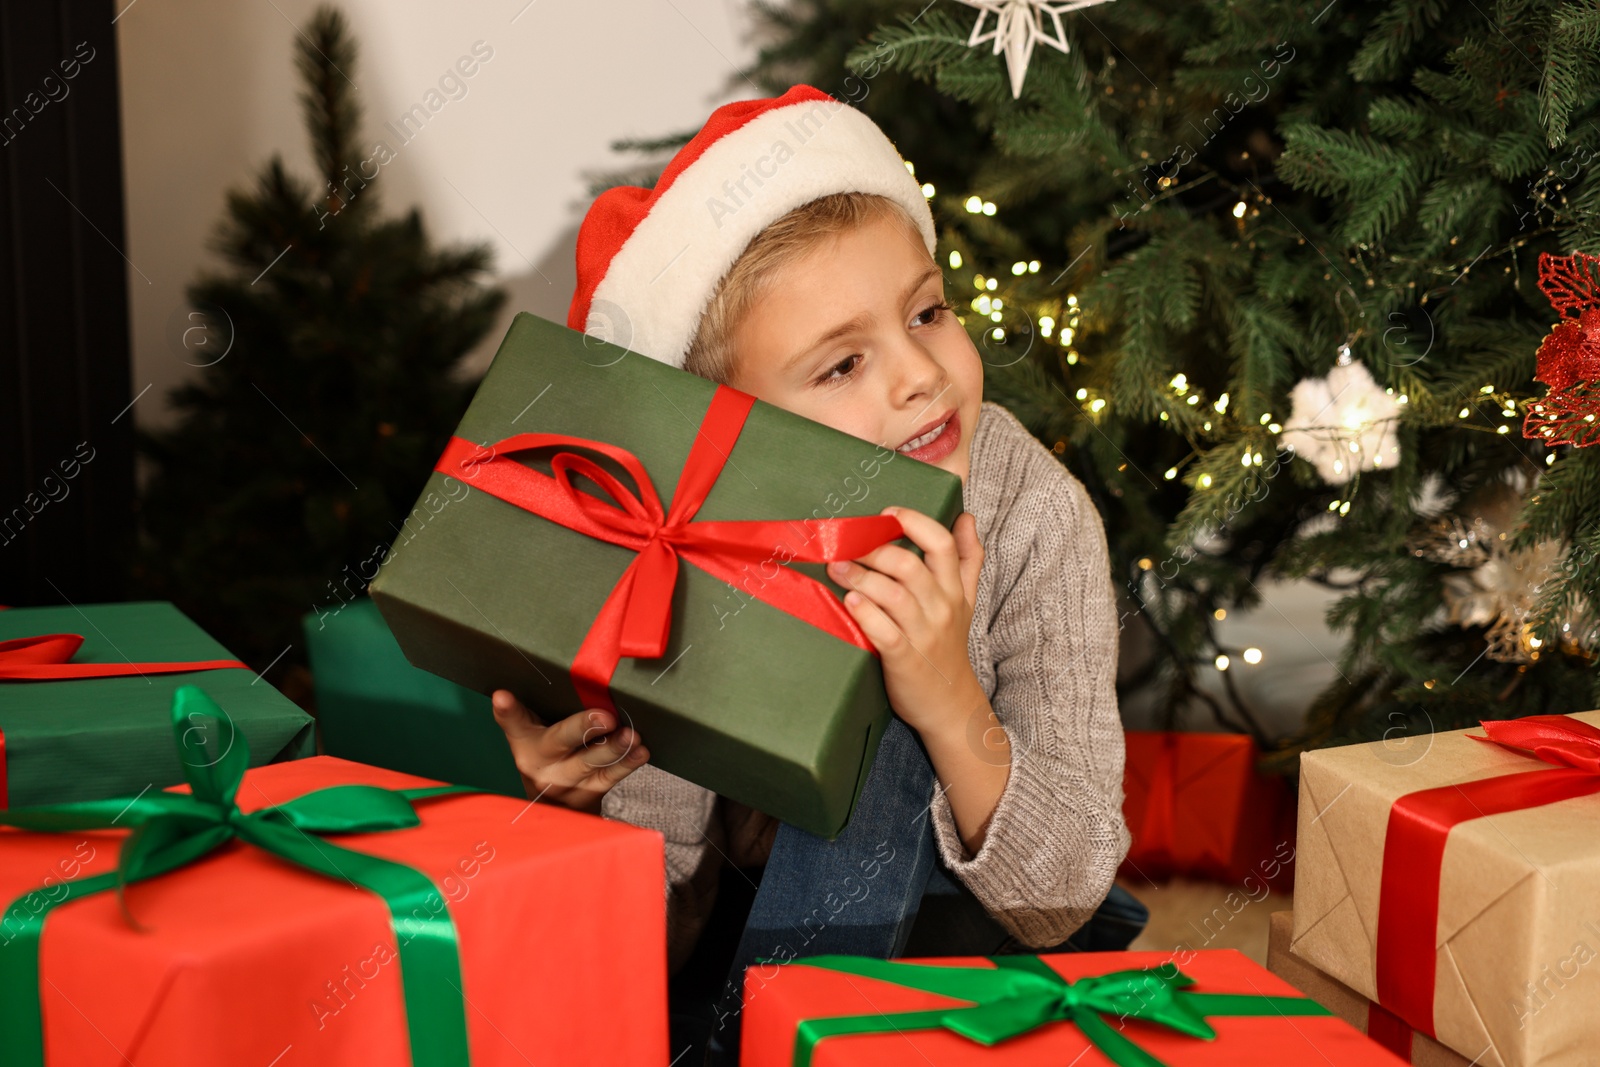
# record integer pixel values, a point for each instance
(778, 997)
(244, 958)
(1196, 805)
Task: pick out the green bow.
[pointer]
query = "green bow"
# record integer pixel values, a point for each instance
(171, 830)
(1022, 993)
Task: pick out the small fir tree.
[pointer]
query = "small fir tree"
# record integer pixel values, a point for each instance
(295, 456)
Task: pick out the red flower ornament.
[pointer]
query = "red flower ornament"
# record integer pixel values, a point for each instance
(1569, 357)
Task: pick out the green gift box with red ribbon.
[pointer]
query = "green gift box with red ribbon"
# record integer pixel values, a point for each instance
(608, 531)
(85, 692)
(1452, 879)
(1090, 1009)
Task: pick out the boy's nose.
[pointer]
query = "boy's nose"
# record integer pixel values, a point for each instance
(921, 376)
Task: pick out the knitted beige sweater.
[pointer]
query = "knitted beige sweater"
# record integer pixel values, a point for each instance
(1043, 644)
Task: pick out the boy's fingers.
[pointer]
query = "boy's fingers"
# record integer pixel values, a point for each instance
(884, 591)
(970, 553)
(574, 732)
(611, 749)
(578, 773)
(880, 629)
(901, 565)
(937, 544)
(514, 719)
(613, 773)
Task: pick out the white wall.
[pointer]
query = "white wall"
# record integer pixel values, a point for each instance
(209, 94)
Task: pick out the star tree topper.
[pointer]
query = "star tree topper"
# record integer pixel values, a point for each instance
(1018, 27)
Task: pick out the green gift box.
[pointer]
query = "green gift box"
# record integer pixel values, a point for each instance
(744, 698)
(374, 707)
(92, 738)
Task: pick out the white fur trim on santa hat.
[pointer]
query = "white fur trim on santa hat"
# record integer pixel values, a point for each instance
(662, 278)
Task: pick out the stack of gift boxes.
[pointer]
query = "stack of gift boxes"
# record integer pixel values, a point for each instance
(1445, 894)
(185, 882)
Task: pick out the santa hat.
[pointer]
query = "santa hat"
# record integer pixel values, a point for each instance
(649, 260)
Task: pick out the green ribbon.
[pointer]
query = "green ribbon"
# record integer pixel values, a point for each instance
(171, 830)
(1023, 993)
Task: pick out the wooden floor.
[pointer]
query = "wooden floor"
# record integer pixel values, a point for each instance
(1188, 915)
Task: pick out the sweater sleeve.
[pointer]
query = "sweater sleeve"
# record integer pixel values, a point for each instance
(686, 815)
(1057, 834)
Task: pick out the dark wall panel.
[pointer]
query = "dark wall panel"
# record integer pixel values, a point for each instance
(66, 448)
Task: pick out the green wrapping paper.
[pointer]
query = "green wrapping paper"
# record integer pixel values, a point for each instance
(374, 707)
(94, 738)
(747, 700)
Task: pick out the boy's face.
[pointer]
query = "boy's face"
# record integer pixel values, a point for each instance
(900, 367)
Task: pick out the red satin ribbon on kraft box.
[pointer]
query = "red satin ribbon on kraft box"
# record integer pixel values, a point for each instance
(1427, 964)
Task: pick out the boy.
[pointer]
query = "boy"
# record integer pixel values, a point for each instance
(786, 251)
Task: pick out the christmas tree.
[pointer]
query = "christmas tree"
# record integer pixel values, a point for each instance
(325, 391)
(1266, 277)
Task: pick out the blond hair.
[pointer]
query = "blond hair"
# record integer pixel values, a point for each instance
(788, 238)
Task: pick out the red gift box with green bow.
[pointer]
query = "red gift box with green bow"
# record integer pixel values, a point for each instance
(324, 912)
(1092, 1009)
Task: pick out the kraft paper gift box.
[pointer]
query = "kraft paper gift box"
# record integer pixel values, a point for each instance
(1196, 805)
(501, 932)
(375, 707)
(1419, 1050)
(844, 1011)
(67, 735)
(1483, 936)
(741, 697)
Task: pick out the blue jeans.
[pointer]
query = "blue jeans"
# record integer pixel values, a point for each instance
(862, 892)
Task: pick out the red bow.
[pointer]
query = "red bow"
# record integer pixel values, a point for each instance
(636, 618)
(1420, 824)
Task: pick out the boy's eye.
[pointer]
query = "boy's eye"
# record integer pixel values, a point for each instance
(930, 314)
(844, 368)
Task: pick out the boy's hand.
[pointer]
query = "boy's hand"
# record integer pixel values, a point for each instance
(917, 613)
(574, 762)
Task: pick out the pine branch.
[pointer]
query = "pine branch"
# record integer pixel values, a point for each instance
(1571, 68)
(1376, 182)
(1392, 36)
(325, 55)
(1261, 336)
(919, 47)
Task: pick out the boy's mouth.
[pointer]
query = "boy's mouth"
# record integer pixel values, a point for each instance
(936, 440)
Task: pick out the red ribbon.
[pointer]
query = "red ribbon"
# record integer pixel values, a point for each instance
(45, 658)
(1420, 824)
(636, 618)
(1389, 1030)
